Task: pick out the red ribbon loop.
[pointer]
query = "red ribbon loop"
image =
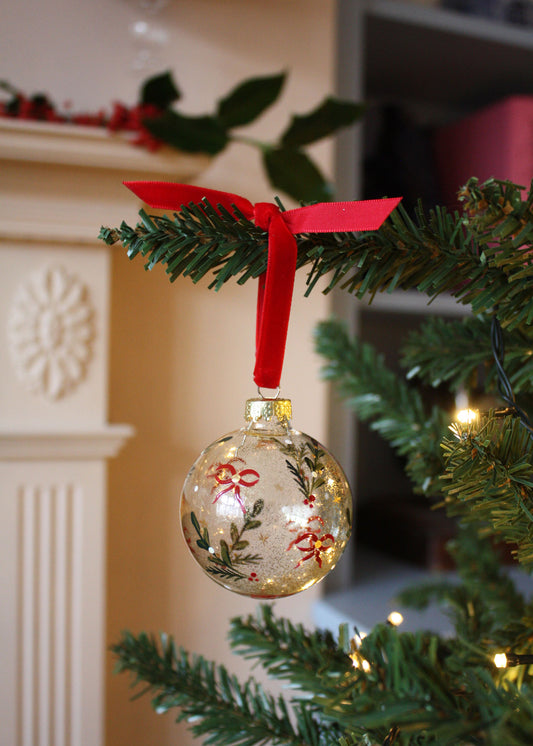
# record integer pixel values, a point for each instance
(276, 284)
(274, 297)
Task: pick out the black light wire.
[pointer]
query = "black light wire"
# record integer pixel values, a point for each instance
(504, 385)
(518, 660)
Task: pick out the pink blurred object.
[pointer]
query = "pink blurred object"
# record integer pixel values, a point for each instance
(496, 141)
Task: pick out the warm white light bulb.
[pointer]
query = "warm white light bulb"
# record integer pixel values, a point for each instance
(395, 618)
(466, 416)
(500, 660)
(465, 422)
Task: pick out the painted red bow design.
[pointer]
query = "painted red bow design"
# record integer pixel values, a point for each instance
(314, 544)
(227, 474)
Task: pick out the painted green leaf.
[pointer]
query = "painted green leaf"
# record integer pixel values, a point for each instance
(160, 90)
(234, 533)
(224, 552)
(252, 524)
(203, 541)
(257, 507)
(194, 521)
(327, 118)
(249, 99)
(294, 173)
(240, 545)
(203, 134)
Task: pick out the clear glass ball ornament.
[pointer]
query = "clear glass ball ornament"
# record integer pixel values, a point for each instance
(266, 510)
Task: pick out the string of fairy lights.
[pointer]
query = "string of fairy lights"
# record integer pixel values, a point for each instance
(466, 422)
(395, 619)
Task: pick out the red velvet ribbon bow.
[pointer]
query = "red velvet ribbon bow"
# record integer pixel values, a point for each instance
(276, 284)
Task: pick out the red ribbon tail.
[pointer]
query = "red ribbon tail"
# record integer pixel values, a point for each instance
(331, 217)
(166, 195)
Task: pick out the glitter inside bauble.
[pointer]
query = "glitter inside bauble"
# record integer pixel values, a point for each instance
(266, 510)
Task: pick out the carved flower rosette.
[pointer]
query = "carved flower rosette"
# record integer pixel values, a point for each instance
(51, 332)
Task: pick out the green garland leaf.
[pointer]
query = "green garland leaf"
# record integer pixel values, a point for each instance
(325, 120)
(160, 91)
(294, 173)
(249, 100)
(201, 134)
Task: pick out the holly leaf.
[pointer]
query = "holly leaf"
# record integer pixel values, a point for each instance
(327, 118)
(160, 91)
(295, 174)
(203, 134)
(249, 99)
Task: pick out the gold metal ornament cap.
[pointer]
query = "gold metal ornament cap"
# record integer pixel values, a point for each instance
(268, 409)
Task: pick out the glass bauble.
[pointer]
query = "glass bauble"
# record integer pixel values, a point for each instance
(266, 510)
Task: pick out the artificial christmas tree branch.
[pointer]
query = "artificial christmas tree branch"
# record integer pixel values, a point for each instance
(287, 651)
(454, 351)
(485, 607)
(433, 253)
(427, 689)
(213, 701)
(408, 689)
(394, 409)
(488, 473)
(489, 481)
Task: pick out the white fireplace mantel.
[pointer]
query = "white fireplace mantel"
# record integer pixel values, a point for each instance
(70, 178)
(58, 183)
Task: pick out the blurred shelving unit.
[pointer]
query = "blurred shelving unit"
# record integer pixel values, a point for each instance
(447, 64)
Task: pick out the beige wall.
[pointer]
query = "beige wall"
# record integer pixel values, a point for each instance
(181, 356)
